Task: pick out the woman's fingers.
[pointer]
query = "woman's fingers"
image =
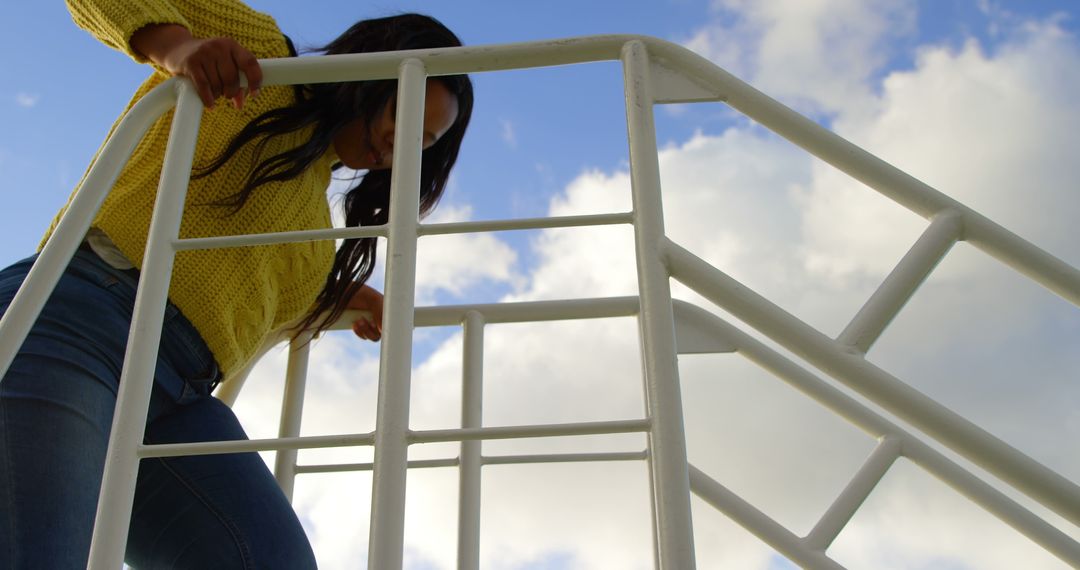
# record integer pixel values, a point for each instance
(366, 330)
(199, 79)
(229, 77)
(214, 66)
(247, 63)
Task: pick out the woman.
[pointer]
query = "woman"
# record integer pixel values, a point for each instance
(262, 164)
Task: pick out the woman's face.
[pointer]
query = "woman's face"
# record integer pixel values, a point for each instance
(363, 147)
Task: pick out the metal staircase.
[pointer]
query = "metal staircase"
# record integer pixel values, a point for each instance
(654, 72)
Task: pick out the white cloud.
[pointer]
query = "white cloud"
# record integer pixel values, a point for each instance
(508, 133)
(26, 100)
(991, 131)
(454, 263)
(815, 54)
(446, 264)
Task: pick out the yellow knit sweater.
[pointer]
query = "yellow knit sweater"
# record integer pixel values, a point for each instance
(235, 297)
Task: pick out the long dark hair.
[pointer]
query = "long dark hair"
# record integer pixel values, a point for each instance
(328, 107)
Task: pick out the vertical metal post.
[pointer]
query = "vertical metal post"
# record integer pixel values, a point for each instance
(672, 527)
(136, 380)
(386, 538)
(292, 410)
(472, 398)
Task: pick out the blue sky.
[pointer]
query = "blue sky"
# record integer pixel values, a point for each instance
(973, 96)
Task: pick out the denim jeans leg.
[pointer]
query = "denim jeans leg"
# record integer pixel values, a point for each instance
(56, 406)
(212, 511)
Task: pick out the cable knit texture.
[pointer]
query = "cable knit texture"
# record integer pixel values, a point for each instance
(235, 297)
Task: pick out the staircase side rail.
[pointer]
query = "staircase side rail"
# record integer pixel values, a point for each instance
(894, 440)
(1030, 477)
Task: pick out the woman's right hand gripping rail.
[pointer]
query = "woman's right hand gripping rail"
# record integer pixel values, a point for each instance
(213, 65)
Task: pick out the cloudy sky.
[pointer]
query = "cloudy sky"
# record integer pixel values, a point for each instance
(974, 97)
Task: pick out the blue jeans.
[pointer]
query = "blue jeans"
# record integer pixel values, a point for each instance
(56, 408)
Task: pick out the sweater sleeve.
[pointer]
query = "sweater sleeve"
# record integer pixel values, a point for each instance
(113, 22)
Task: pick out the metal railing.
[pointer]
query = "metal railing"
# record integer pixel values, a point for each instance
(654, 72)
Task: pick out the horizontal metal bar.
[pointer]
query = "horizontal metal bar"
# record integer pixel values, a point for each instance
(900, 285)
(526, 224)
(446, 61)
(533, 311)
(757, 522)
(544, 430)
(565, 458)
(249, 240)
(381, 231)
(280, 237)
(852, 497)
(347, 467)
(213, 447)
(492, 460)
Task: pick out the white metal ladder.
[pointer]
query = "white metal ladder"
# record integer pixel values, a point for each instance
(654, 72)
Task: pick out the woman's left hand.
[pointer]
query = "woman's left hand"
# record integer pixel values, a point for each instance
(368, 299)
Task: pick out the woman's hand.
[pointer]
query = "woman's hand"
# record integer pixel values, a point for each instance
(213, 65)
(368, 299)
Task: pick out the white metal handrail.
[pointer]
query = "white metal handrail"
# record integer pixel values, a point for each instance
(654, 72)
(693, 327)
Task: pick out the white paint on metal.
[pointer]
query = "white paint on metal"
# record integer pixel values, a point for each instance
(976, 444)
(246, 445)
(773, 533)
(654, 72)
(137, 377)
(674, 86)
(856, 492)
(994, 501)
(693, 333)
(280, 237)
(292, 410)
(386, 537)
(472, 415)
(541, 430)
(672, 527)
(900, 285)
(526, 224)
